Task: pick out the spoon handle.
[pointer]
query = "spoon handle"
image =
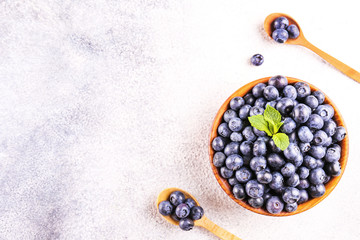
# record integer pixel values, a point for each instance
(215, 229)
(333, 61)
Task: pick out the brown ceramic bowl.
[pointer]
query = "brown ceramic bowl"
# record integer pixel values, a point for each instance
(304, 206)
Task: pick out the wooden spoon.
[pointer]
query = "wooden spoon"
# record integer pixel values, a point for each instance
(203, 222)
(301, 40)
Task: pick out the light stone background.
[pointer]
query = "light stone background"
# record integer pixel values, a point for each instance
(105, 103)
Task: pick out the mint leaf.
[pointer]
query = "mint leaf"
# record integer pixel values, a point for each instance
(258, 122)
(281, 140)
(278, 126)
(272, 115)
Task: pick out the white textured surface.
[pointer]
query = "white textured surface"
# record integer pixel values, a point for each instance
(105, 103)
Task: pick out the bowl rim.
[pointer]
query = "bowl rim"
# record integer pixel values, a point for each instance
(328, 186)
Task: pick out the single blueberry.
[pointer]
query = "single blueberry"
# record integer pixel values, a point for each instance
(226, 173)
(254, 189)
(292, 151)
(219, 159)
(236, 137)
(315, 122)
(304, 196)
(274, 205)
(255, 110)
(320, 96)
(293, 138)
(176, 198)
(304, 147)
(317, 176)
(258, 163)
(256, 202)
(182, 210)
(303, 184)
(329, 127)
(290, 92)
(340, 134)
(280, 23)
(244, 111)
(165, 208)
(301, 113)
(285, 106)
(224, 130)
(190, 202)
(326, 112)
(249, 134)
(290, 207)
(235, 124)
(297, 161)
(186, 224)
(239, 192)
(320, 137)
(288, 170)
(258, 89)
(289, 125)
(293, 180)
(280, 35)
(333, 168)
(291, 195)
(303, 90)
(311, 101)
(277, 181)
(305, 135)
(260, 102)
(257, 59)
(233, 181)
(264, 177)
(310, 162)
(249, 99)
(278, 81)
(271, 93)
(276, 161)
(236, 103)
(218, 144)
(333, 154)
(259, 148)
(231, 148)
(197, 213)
(293, 31)
(243, 175)
(234, 162)
(303, 172)
(316, 190)
(317, 151)
(246, 148)
(229, 114)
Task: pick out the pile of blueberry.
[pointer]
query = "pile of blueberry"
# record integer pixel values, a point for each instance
(282, 31)
(261, 173)
(181, 209)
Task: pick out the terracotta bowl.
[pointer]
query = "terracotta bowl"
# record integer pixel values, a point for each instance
(304, 206)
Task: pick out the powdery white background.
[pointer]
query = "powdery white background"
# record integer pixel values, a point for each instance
(105, 103)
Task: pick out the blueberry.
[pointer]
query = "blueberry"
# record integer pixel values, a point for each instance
(310, 162)
(277, 181)
(219, 159)
(249, 99)
(297, 161)
(305, 135)
(255, 110)
(231, 148)
(320, 163)
(302, 89)
(278, 81)
(257, 59)
(259, 148)
(273, 146)
(256, 202)
(239, 192)
(292, 151)
(226, 173)
(336, 146)
(260, 102)
(290, 207)
(254, 189)
(320, 138)
(186, 224)
(258, 89)
(229, 114)
(329, 127)
(288, 126)
(293, 138)
(236, 137)
(311, 101)
(288, 170)
(218, 144)
(315, 122)
(264, 177)
(197, 213)
(233, 181)
(290, 92)
(303, 172)
(249, 134)
(176, 198)
(274, 205)
(333, 168)
(246, 148)
(333, 154)
(304, 147)
(326, 112)
(316, 190)
(259, 133)
(234, 162)
(182, 210)
(340, 134)
(244, 111)
(224, 130)
(235, 124)
(280, 23)
(165, 208)
(320, 96)
(285, 106)
(293, 31)
(327, 142)
(304, 196)
(190, 202)
(271, 93)
(271, 103)
(301, 113)
(303, 184)
(243, 175)
(258, 163)
(317, 176)
(280, 35)
(275, 161)
(317, 151)
(293, 181)
(291, 195)
(236, 103)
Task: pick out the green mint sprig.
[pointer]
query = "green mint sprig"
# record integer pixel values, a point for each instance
(270, 123)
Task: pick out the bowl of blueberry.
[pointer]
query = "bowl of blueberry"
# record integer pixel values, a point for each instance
(278, 146)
